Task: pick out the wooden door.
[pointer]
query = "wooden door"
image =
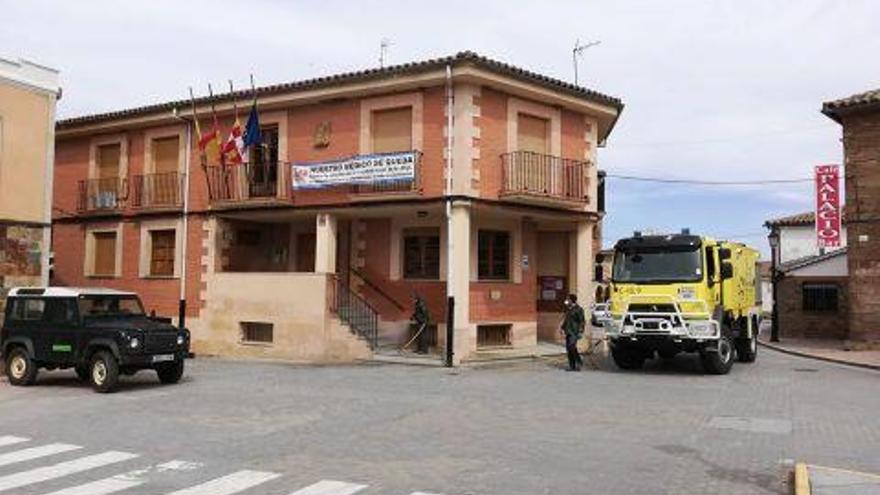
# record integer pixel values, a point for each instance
(305, 252)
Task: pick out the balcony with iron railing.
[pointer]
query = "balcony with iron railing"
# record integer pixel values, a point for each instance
(102, 195)
(247, 182)
(539, 178)
(157, 191)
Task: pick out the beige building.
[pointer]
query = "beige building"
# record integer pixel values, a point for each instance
(28, 93)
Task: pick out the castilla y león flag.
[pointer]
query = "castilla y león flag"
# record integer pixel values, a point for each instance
(828, 205)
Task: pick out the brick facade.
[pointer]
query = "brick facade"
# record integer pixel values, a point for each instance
(795, 322)
(861, 140)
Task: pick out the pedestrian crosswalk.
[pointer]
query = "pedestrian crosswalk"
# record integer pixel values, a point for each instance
(83, 472)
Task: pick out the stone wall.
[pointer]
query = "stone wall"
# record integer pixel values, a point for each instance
(797, 323)
(21, 248)
(862, 154)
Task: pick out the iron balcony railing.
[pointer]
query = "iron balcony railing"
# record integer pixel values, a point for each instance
(102, 194)
(537, 174)
(355, 311)
(157, 190)
(245, 181)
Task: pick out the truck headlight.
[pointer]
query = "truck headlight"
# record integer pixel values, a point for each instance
(134, 343)
(180, 340)
(701, 328)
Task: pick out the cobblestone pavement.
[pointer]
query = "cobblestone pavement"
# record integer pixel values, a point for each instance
(524, 428)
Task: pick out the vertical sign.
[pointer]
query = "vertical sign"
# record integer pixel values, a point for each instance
(828, 206)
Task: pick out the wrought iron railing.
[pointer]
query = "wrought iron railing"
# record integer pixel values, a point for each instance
(355, 311)
(241, 182)
(157, 190)
(537, 174)
(102, 194)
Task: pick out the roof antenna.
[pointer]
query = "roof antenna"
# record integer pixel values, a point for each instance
(578, 51)
(383, 51)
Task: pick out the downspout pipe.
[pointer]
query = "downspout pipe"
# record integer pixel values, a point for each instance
(181, 307)
(450, 280)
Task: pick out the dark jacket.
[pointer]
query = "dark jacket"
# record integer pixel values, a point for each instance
(574, 322)
(420, 314)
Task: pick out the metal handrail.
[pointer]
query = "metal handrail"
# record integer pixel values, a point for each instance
(102, 194)
(377, 289)
(356, 312)
(157, 190)
(243, 181)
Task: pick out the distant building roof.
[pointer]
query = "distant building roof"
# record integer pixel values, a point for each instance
(764, 269)
(810, 260)
(466, 57)
(867, 101)
(799, 219)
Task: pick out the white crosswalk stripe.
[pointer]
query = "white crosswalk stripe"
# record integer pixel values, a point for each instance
(227, 485)
(11, 440)
(38, 475)
(327, 487)
(102, 487)
(35, 453)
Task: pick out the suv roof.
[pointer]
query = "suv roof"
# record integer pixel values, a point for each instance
(66, 291)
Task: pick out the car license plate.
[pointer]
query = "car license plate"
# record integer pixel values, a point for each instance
(161, 358)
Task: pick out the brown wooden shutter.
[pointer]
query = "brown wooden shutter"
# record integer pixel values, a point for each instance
(166, 154)
(532, 134)
(105, 253)
(162, 253)
(392, 130)
(108, 161)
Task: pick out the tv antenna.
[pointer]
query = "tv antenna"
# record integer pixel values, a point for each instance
(578, 51)
(383, 51)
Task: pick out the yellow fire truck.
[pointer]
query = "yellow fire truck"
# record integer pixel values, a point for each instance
(683, 293)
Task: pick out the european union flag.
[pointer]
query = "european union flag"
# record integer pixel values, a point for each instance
(252, 134)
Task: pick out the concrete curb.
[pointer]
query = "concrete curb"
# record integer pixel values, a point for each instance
(808, 355)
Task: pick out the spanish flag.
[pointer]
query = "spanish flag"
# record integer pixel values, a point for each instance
(209, 144)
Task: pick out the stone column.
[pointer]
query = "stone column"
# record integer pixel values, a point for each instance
(460, 265)
(583, 258)
(325, 243)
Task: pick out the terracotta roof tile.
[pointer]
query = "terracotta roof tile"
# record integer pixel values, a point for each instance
(363, 75)
(806, 218)
(862, 101)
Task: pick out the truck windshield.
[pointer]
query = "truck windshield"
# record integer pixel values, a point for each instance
(657, 266)
(96, 306)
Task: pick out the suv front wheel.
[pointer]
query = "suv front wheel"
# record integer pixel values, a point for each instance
(20, 368)
(170, 373)
(103, 372)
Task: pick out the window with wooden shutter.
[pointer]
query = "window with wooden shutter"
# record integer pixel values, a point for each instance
(392, 130)
(166, 154)
(162, 244)
(493, 255)
(532, 134)
(107, 163)
(421, 253)
(105, 254)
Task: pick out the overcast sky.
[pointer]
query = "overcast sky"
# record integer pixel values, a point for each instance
(718, 90)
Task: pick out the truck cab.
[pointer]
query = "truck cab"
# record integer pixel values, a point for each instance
(682, 293)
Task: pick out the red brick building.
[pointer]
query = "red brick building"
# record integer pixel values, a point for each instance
(860, 117)
(329, 273)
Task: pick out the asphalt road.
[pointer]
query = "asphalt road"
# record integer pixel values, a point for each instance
(527, 428)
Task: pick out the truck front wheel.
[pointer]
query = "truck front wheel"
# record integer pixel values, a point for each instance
(170, 373)
(718, 361)
(628, 358)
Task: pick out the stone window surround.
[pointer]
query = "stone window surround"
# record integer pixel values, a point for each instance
(89, 258)
(146, 226)
(395, 253)
(119, 138)
(516, 106)
(370, 105)
(163, 132)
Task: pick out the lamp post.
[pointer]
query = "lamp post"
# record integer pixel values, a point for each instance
(774, 279)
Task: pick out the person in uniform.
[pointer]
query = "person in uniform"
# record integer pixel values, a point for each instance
(421, 318)
(573, 328)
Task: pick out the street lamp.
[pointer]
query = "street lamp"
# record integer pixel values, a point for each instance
(774, 279)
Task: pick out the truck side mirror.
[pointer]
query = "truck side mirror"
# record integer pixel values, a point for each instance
(724, 253)
(726, 271)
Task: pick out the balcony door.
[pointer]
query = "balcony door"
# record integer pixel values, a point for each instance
(538, 172)
(105, 190)
(162, 187)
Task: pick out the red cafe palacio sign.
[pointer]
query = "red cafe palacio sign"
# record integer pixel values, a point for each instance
(828, 205)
